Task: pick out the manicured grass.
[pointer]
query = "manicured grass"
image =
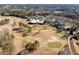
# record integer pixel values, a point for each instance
(54, 44)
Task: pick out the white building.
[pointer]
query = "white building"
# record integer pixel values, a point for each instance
(36, 20)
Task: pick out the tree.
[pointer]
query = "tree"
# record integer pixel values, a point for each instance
(70, 37)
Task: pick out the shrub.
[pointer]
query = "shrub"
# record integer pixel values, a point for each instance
(6, 42)
(32, 46)
(5, 21)
(29, 28)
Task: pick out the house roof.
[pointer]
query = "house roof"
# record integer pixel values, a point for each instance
(37, 20)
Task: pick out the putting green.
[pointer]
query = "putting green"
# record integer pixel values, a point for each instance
(54, 44)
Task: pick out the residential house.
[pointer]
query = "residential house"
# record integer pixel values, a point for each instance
(37, 20)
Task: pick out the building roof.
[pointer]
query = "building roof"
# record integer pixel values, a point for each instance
(36, 20)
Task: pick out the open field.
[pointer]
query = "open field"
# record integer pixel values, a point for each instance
(50, 41)
(43, 33)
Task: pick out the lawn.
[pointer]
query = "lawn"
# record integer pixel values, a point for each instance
(54, 45)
